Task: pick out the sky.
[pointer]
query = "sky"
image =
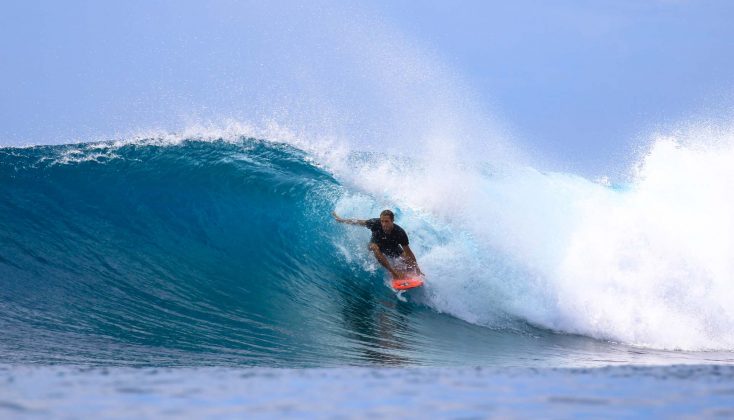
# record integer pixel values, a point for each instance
(583, 84)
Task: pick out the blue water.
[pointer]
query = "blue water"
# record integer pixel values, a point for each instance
(664, 392)
(222, 255)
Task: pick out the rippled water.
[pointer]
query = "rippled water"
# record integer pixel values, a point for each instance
(673, 391)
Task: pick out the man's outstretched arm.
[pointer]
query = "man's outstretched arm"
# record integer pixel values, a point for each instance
(349, 221)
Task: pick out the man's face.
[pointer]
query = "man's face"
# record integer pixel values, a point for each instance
(386, 223)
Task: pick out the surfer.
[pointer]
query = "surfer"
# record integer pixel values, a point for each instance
(389, 243)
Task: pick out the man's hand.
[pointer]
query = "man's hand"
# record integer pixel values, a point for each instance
(398, 275)
(336, 217)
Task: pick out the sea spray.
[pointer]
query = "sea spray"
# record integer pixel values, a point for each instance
(646, 263)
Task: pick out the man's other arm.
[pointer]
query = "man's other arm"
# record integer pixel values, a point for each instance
(410, 259)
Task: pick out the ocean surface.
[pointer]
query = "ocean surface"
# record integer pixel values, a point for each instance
(206, 277)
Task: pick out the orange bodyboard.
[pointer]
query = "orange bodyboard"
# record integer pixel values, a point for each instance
(405, 284)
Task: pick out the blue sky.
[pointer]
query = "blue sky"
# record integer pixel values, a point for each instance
(581, 83)
(591, 78)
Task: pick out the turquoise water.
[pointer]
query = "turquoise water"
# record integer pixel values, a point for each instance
(204, 258)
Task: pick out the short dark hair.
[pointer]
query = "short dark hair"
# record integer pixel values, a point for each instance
(388, 213)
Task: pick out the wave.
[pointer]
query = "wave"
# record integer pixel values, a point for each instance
(220, 249)
(224, 250)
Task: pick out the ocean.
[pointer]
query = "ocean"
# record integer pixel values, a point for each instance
(205, 276)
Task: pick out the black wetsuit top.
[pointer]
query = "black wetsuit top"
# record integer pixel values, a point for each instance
(389, 243)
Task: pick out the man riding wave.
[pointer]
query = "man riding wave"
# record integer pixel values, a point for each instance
(389, 244)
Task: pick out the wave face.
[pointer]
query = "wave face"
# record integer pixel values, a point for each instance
(192, 246)
(198, 251)
(188, 252)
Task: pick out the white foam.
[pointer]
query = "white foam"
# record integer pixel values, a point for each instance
(649, 264)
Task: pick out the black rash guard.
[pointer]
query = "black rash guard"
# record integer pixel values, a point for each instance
(389, 243)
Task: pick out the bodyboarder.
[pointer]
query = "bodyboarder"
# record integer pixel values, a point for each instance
(389, 244)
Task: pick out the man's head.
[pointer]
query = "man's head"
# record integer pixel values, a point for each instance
(386, 220)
